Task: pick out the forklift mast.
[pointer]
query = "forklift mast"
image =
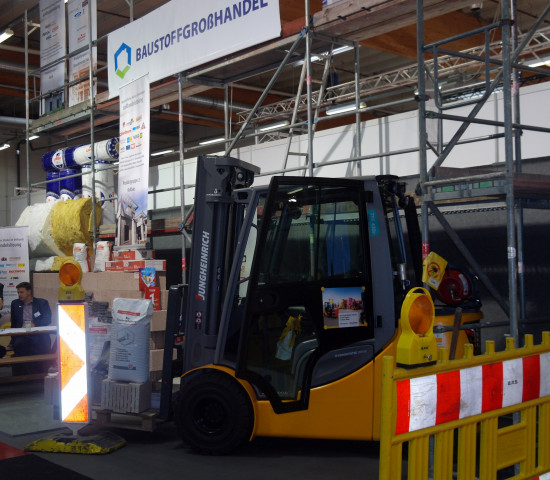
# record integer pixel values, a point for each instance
(216, 225)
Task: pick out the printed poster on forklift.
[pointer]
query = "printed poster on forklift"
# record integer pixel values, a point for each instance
(52, 43)
(14, 261)
(343, 307)
(182, 34)
(133, 173)
(79, 13)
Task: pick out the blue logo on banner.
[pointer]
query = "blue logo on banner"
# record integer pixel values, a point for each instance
(121, 66)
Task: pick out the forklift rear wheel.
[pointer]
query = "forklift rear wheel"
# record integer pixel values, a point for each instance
(213, 414)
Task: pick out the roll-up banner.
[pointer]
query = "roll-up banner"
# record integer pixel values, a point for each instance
(133, 167)
(14, 261)
(185, 33)
(52, 43)
(80, 13)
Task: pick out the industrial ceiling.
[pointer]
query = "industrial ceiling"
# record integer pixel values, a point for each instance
(384, 29)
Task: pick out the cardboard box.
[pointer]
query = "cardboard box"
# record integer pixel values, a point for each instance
(156, 358)
(158, 322)
(110, 295)
(164, 298)
(157, 340)
(125, 397)
(133, 254)
(134, 265)
(92, 282)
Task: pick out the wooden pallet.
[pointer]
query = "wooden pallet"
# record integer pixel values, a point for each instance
(145, 421)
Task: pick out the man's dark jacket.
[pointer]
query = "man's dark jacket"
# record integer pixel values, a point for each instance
(41, 317)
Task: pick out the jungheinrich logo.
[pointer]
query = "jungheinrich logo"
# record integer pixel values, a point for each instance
(123, 60)
(203, 266)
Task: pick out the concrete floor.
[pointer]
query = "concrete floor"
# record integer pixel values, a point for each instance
(161, 454)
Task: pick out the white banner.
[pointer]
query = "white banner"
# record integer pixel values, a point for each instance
(185, 33)
(14, 261)
(133, 168)
(79, 33)
(52, 43)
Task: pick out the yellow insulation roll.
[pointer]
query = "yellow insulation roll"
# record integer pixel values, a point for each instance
(71, 222)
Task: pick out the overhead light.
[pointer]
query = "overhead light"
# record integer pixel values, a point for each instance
(33, 137)
(345, 107)
(323, 55)
(274, 126)
(3, 147)
(540, 62)
(209, 141)
(7, 33)
(162, 152)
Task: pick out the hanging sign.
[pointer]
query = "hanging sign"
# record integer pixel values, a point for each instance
(133, 170)
(80, 13)
(14, 261)
(185, 33)
(52, 43)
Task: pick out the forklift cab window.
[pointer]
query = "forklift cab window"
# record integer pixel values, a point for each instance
(311, 240)
(250, 249)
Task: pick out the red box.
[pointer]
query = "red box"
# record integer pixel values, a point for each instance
(153, 294)
(114, 266)
(147, 278)
(134, 265)
(133, 254)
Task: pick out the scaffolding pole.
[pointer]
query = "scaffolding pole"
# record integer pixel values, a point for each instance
(182, 182)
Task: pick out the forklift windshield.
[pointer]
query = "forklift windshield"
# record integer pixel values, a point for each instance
(306, 293)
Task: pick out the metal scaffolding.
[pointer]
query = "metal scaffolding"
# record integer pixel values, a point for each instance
(500, 69)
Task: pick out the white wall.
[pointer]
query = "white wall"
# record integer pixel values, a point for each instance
(378, 137)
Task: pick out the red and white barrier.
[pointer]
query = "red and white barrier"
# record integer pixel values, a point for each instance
(431, 400)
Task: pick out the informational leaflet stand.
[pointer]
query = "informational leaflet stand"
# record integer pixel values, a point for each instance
(14, 261)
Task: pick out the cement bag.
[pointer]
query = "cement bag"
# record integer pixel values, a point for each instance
(37, 218)
(130, 334)
(81, 255)
(98, 339)
(102, 255)
(71, 222)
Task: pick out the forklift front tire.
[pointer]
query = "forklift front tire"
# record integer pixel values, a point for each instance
(213, 413)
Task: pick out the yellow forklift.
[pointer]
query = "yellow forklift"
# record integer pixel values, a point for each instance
(293, 299)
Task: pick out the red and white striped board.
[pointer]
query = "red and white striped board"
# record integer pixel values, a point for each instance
(72, 360)
(431, 400)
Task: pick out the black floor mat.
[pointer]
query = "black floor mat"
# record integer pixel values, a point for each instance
(32, 466)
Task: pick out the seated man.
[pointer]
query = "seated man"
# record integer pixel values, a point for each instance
(36, 311)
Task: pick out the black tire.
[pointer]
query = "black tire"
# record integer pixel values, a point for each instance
(213, 414)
